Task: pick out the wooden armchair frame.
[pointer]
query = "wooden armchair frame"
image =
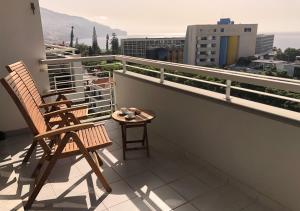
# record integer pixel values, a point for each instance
(64, 142)
(61, 100)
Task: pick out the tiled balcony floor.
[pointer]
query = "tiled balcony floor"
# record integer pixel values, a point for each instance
(168, 180)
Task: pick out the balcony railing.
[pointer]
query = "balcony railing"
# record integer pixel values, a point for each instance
(94, 85)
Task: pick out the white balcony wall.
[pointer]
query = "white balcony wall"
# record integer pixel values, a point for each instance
(257, 149)
(21, 38)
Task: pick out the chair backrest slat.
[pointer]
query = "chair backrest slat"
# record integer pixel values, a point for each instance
(21, 69)
(25, 102)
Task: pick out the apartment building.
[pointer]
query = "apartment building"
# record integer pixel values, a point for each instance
(264, 44)
(219, 44)
(167, 49)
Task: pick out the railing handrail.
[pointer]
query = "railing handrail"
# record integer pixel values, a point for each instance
(248, 78)
(287, 85)
(77, 59)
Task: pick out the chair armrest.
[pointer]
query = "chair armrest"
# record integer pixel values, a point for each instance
(72, 128)
(62, 102)
(62, 92)
(63, 111)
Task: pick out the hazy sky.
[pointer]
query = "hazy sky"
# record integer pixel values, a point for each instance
(172, 16)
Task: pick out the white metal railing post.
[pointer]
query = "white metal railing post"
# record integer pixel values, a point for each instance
(228, 89)
(111, 93)
(162, 75)
(124, 66)
(55, 85)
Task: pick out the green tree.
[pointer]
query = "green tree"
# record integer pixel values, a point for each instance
(107, 43)
(289, 54)
(245, 61)
(72, 37)
(115, 44)
(83, 49)
(95, 47)
(76, 42)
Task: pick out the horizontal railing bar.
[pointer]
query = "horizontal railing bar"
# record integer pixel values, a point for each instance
(84, 92)
(293, 86)
(83, 74)
(77, 59)
(237, 88)
(99, 101)
(96, 119)
(141, 68)
(82, 66)
(100, 89)
(62, 72)
(266, 94)
(100, 112)
(196, 79)
(108, 105)
(159, 63)
(65, 82)
(82, 98)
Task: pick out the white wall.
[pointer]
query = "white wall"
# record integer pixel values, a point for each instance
(258, 150)
(21, 38)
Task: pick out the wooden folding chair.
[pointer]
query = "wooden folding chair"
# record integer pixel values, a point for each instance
(60, 102)
(64, 142)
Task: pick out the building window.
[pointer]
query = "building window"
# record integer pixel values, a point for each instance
(203, 38)
(212, 60)
(222, 29)
(247, 29)
(213, 45)
(203, 53)
(213, 52)
(215, 30)
(213, 38)
(203, 45)
(202, 60)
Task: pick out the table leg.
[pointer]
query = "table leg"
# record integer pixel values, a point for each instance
(123, 127)
(146, 139)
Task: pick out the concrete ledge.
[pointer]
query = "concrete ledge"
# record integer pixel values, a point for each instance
(268, 111)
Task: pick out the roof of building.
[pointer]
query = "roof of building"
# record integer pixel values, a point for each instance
(269, 61)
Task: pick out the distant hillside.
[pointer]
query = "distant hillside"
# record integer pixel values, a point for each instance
(57, 27)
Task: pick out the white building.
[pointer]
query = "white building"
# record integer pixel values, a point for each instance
(293, 69)
(264, 44)
(219, 44)
(138, 47)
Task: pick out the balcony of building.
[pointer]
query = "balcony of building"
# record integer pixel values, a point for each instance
(212, 147)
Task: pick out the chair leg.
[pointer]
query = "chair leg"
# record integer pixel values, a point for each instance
(92, 163)
(97, 172)
(29, 152)
(146, 139)
(40, 182)
(42, 160)
(97, 158)
(46, 172)
(38, 167)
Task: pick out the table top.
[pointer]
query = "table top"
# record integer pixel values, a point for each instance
(142, 117)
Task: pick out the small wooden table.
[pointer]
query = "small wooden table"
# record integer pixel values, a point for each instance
(140, 120)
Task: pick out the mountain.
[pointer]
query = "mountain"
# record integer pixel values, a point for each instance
(57, 27)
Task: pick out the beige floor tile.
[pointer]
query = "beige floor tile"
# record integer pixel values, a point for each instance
(256, 207)
(189, 187)
(163, 198)
(144, 182)
(209, 177)
(186, 207)
(226, 198)
(121, 192)
(168, 172)
(135, 204)
(129, 168)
